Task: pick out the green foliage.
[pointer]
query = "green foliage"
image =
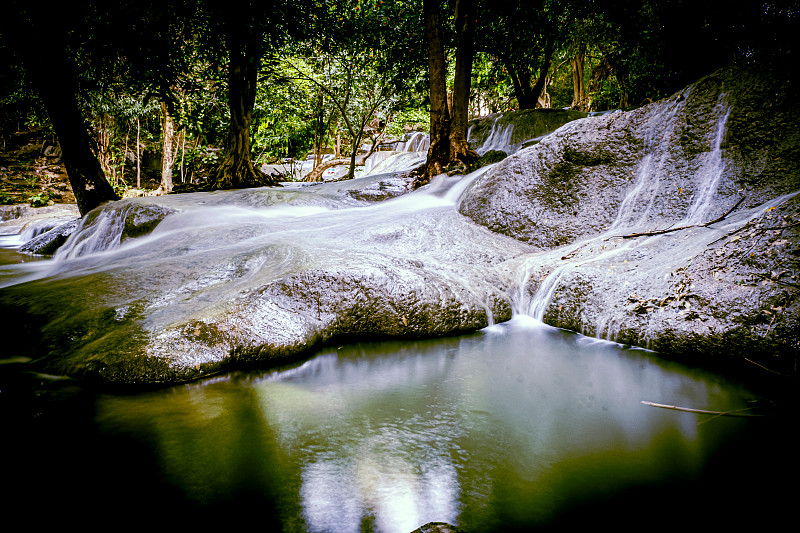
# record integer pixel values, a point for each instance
(39, 200)
(491, 90)
(412, 119)
(345, 67)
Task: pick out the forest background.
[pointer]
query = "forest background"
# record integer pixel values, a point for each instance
(101, 100)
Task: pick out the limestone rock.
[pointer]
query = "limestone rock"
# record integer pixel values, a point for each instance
(709, 292)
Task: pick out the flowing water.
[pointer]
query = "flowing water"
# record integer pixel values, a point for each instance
(514, 427)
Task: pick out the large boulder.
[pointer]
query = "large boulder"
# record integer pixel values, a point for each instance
(257, 277)
(603, 201)
(510, 131)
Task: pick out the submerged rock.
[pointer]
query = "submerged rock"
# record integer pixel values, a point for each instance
(49, 242)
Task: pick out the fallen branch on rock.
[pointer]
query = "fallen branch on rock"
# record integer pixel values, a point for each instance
(724, 216)
(670, 230)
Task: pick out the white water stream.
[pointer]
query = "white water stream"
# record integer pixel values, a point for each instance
(314, 216)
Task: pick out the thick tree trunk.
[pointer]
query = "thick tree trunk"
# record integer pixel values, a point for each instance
(580, 100)
(439, 151)
(521, 83)
(168, 151)
(236, 169)
(528, 94)
(42, 46)
(460, 152)
(89, 184)
(539, 88)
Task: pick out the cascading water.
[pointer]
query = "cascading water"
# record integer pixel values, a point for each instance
(99, 233)
(418, 142)
(379, 436)
(499, 138)
(411, 153)
(636, 209)
(711, 171)
(639, 200)
(407, 155)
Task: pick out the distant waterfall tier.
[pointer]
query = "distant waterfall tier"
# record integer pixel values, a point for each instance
(503, 132)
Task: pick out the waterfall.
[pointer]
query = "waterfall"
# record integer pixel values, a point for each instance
(547, 289)
(397, 162)
(94, 234)
(640, 201)
(642, 196)
(645, 186)
(406, 156)
(629, 206)
(418, 142)
(499, 139)
(711, 171)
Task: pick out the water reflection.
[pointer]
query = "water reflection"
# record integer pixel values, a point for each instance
(509, 427)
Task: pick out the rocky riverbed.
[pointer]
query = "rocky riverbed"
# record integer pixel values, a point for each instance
(672, 226)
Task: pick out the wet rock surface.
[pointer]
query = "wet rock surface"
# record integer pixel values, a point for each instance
(220, 284)
(672, 226)
(603, 200)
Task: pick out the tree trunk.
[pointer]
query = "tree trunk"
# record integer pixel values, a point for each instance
(316, 174)
(168, 151)
(104, 137)
(540, 87)
(236, 169)
(89, 184)
(439, 151)
(42, 46)
(351, 173)
(579, 98)
(528, 94)
(460, 152)
(521, 82)
(138, 154)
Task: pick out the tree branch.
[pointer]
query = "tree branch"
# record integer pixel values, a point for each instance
(670, 230)
(702, 411)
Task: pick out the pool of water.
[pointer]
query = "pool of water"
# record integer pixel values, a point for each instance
(517, 427)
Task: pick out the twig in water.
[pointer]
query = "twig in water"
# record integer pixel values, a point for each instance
(759, 365)
(738, 413)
